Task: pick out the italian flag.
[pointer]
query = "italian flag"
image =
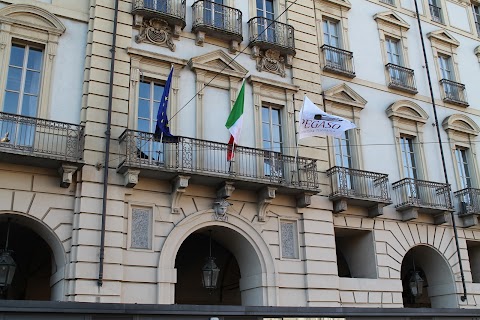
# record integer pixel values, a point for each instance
(235, 122)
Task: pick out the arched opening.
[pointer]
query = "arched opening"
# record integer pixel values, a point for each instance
(240, 281)
(36, 275)
(437, 282)
(189, 262)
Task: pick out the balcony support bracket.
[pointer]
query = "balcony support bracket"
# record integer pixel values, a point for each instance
(130, 178)
(265, 197)
(226, 189)
(376, 210)
(339, 205)
(66, 172)
(304, 199)
(469, 220)
(234, 45)
(179, 185)
(409, 214)
(200, 39)
(440, 218)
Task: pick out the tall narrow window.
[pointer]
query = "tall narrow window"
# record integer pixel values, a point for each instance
(343, 156)
(213, 13)
(272, 140)
(392, 47)
(445, 65)
(266, 29)
(476, 15)
(330, 33)
(150, 94)
(462, 165)
(408, 158)
(435, 10)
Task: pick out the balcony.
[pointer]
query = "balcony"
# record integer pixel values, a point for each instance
(401, 78)
(172, 11)
(414, 196)
(218, 21)
(338, 61)
(268, 34)
(205, 162)
(359, 188)
(468, 205)
(454, 93)
(41, 143)
(436, 13)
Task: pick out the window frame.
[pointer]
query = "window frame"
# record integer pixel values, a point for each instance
(16, 21)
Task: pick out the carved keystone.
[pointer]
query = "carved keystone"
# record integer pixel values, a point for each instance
(66, 172)
(179, 185)
(304, 200)
(265, 197)
(130, 178)
(226, 189)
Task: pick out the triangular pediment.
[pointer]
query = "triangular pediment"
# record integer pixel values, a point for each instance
(342, 3)
(218, 61)
(391, 18)
(32, 17)
(345, 95)
(443, 36)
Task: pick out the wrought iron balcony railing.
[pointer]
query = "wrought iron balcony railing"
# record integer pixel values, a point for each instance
(469, 201)
(454, 92)
(217, 20)
(427, 195)
(436, 13)
(173, 11)
(358, 184)
(143, 150)
(401, 78)
(338, 61)
(271, 34)
(40, 138)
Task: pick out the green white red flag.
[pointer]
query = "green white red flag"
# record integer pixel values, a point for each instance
(235, 122)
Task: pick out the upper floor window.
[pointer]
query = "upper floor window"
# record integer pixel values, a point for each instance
(392, 47)
(343, 154)
(266, 29)
(149, 97)
(330, 33)
(271, 129)
(462, 166)
(435, 10)
(213, 13)
(23, 81)
(408, 157)
(445, 66)
(265, 9)
(476, 15)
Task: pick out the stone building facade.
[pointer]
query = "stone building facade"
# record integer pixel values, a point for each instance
(98, 209)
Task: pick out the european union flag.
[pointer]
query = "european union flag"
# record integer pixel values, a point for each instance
(162, 120)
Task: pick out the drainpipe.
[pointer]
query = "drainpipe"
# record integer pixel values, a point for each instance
(107, 146)
(454, 224)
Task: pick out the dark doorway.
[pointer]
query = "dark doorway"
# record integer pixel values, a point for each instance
(34, 263)
(189, 262)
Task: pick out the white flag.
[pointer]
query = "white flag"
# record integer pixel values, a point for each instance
(315, 122)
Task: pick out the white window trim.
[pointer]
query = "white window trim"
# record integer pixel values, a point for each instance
(443, 43)
(151, 206)
(408, 119)
(16, 22)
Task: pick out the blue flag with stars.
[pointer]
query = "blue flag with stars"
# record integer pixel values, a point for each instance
(162, 120)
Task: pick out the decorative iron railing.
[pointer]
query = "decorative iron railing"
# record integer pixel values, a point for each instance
(172, 8)
(338, 60)
(468, 200)
(390, 2)
(39, 137)
(436, 13)
(454, 92)
(272, 33)
(401, 78)
(217, 16)
(422, 194)
(194, 156)
(359, 184)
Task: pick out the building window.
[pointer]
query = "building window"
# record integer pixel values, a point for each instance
(435, 10)
(476, 15)
(289, 239)
(23, 80)
(213, 13)
(408, 157)
(462, 165)
(445, 66)
(266, 29)
(272, 141)
(330, 33)
(343, 154)
(390, 2)
(393, 50)
(141, 228)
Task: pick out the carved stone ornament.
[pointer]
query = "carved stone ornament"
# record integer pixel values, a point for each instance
(156, 31)
(271, 61)
(220, 207)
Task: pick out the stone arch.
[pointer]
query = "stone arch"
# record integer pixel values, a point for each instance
(51, 238)
(408, 110)
(245, 241)
(33, 16)
(461, 123)
(437, 270)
